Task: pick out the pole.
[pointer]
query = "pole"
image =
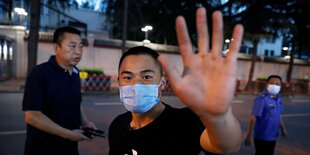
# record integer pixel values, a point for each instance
(124, 27)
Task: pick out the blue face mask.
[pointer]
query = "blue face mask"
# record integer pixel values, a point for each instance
(139, 98)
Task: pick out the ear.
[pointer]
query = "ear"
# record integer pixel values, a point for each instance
(56, 48)
(163, 83)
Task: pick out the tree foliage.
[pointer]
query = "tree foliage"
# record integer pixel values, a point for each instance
(261, 18)
(160, 14)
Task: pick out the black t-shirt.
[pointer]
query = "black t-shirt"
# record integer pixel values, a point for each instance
(53, 91)
(173, 132)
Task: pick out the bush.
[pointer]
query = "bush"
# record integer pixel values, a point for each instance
(264, 78)
(92, 71)
(303, 80)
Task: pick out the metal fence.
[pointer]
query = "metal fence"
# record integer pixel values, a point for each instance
(96, 83)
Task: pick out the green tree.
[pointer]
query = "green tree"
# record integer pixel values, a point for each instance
(160, 14)
(295, 21)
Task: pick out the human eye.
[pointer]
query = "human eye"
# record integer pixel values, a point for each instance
(147, 77)
(127, 78)
(72, 46)
(81, 47)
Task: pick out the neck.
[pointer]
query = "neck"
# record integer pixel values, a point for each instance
(62, 64)
(140, 120)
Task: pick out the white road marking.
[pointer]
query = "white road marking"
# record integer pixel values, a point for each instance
(237, 101)
(107, 103)
(300, 101)
(13, 132)
(296, 115)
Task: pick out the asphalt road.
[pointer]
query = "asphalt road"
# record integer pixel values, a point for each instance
(101, 109)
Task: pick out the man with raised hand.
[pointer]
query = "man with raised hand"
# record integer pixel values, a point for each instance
(206, 87)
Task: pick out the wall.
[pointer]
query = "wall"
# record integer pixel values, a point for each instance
(108, 58)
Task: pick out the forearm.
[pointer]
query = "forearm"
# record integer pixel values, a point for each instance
(222, 134)
(251, 125)
(282, 124)
(42, 122)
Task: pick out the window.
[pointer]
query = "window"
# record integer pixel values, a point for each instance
(272, 52)
(266, 52)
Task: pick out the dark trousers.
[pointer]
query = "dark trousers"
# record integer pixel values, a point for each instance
(264, 147)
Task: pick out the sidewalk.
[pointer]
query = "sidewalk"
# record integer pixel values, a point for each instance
(12, 85)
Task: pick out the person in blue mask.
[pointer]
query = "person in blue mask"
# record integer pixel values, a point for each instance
(206, 87)
(266, 118)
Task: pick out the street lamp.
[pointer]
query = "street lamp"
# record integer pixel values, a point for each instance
(21, 12)
(287, 57)
(146, 29)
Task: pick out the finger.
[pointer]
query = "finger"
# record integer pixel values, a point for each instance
(172, 73)
(217, 35)
(235, 43)
(85, 138)
(185, 44)
(91, 125)
(202, 30)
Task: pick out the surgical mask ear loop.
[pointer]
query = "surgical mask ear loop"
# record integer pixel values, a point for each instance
(160, 89)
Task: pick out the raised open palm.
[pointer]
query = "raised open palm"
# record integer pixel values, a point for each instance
(208, 82)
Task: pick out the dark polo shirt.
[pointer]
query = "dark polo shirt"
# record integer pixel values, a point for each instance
(53, 91)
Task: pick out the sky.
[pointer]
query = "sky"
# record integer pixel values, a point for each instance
(96, 2)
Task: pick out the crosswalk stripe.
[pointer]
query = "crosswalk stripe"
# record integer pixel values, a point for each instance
(237, 101)
(296, 115)
(107, 103)
(300, 101)
(13, 132)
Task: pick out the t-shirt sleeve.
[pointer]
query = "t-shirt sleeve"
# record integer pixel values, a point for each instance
(258, 106)
(34, 90)
(116, 129)
(112, 138)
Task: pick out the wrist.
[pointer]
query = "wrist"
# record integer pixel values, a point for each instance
(66, 134)
(216, 118)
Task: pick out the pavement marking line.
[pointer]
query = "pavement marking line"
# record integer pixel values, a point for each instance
(237, 101)
(13, 132)
(107, 103)
(295, 115)
(301, 101)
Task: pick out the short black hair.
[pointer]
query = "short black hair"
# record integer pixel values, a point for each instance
(141, 50)
(59, 33)
(274, 76)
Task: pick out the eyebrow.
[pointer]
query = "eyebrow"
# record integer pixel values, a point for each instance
(144, 71)
(148, 70)
(126, 72)
(73, 42)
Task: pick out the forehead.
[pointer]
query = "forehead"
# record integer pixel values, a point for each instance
(138, 63)
(71, 37)
(274, 80)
